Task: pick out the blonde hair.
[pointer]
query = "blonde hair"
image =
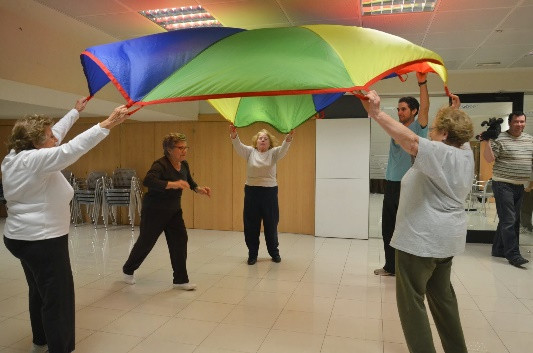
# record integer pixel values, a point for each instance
(171, 139)
(456, 123)
(29, 132)
(272, 138)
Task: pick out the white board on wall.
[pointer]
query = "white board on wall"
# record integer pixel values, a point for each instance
(342, 178)
(341, 209)
(343, 147)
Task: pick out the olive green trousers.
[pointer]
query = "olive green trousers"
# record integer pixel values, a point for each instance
(417, 277)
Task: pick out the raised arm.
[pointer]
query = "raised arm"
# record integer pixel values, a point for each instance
(423, 112)
(406, 138)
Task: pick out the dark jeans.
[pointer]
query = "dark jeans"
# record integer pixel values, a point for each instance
(46, 264)
(508, 201)
(391, 200)
(153, 223)
(526, 210)
(261, 203)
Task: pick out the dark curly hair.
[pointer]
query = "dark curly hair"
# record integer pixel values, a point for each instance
(29, 132)
(170, 140)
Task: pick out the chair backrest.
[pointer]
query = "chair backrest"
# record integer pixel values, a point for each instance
(122, 177)
(488, 188)
(92, 177)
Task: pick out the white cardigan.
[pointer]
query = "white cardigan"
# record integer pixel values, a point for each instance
(36, 191)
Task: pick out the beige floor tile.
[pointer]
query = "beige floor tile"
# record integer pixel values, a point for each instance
(342, 345)
(13, 330)
(92, 318)
(186, 331)
(271, 285)
(365, 293)
(510, 322)
(86, 295)
(301, 321)
(13, 306)
(389, 347)
(291, 342)
(206, 311)
(223, 295)
(252, 316)
(353, 327)
(136, 324)
(152, 345)
(121, 301)
(236, 337)
(236, 282)
(310, 304)
(265, 299)
(316, 289)
(392, 331)
(499, 304)
(103, 342)
(358, 308)
(165, 303)
(516, 342)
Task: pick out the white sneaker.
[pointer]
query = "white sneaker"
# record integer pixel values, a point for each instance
(39, 349)
(129, 279)
(185, 286)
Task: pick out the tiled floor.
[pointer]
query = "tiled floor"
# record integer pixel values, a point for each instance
(322, 297)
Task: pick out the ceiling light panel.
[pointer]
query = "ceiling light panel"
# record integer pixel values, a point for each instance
(175, 18)
(384, 7)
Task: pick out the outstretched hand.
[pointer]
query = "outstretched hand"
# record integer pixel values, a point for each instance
(372, 104)
(119, 115)
(456, 102)
(289, 136)
(204, 190)
(232, 131)
(80, 104)
(421, 76)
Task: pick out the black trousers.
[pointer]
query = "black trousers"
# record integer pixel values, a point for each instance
(46, 264)
(153, 223)
(261, 203)
(391, 199)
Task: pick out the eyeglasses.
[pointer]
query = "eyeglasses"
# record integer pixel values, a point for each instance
(182, 148)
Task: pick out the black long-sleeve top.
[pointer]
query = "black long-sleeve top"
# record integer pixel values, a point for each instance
(156, 181)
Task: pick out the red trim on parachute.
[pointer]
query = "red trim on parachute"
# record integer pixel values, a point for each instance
(110, 76)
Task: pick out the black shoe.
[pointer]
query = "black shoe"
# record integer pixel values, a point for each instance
(518, 261)
(252, 260)
(276, 259)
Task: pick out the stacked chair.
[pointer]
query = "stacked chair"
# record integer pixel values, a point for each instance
(87, 192)
(121, 190)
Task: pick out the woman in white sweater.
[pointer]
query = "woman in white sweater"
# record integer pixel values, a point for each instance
(261, 190)
(38, 215)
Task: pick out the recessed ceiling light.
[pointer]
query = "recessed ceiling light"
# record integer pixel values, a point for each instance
(493, 63)
(383, 7)
(174, 18)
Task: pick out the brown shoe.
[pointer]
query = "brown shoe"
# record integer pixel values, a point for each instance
(382, 272)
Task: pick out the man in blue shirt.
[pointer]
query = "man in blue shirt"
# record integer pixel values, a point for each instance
(398, 164)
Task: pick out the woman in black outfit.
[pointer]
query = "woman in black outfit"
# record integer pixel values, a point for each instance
(161, 211)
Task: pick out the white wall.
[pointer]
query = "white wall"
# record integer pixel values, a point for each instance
(342, 178)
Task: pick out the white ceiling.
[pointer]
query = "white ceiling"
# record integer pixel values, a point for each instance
(41, 39)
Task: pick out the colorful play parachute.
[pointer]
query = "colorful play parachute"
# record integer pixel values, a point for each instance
(282, 76)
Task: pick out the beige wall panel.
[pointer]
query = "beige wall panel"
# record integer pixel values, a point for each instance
(296, 181)
(212, 167)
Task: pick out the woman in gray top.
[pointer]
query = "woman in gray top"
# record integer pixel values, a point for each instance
(431, 223)
(261, 190)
